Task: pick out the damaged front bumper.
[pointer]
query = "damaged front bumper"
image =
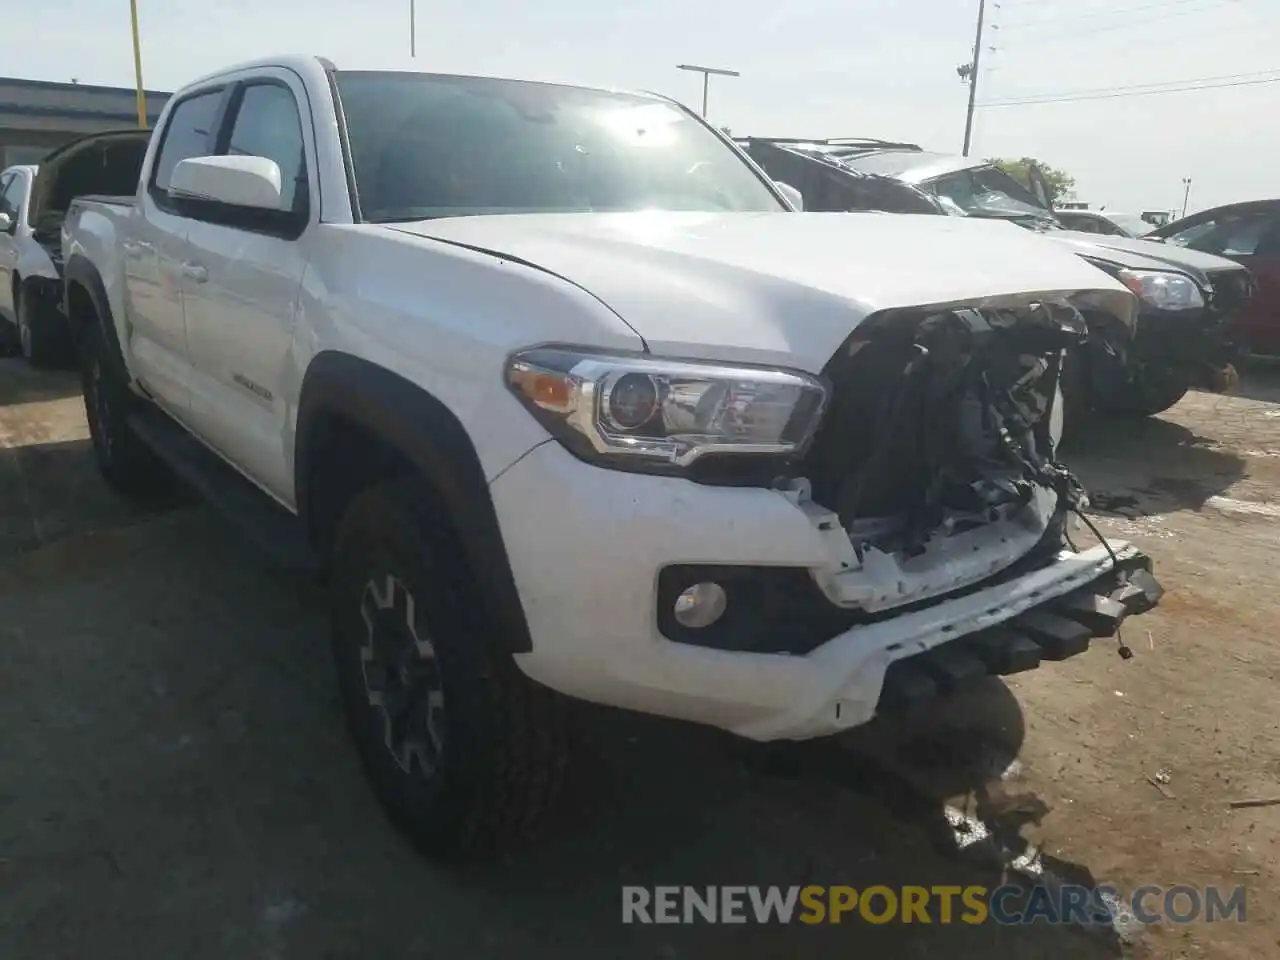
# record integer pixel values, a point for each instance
(1049, 614)
(599, 557)
(1055, 629)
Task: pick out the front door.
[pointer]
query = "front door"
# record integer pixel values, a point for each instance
(242, 309)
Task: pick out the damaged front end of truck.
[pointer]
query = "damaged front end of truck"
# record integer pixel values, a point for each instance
(934, 477)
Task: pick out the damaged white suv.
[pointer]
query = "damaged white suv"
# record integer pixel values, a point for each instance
(563, 398)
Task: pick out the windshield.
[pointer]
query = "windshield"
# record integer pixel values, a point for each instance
(1130, 223)
(987, 191)
(438, 146)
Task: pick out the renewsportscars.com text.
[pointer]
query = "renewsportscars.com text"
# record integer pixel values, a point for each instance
(1008, 904)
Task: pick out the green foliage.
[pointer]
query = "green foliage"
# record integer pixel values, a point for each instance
(1062, 186)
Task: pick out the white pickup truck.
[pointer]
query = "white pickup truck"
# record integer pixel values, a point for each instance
(564, 397)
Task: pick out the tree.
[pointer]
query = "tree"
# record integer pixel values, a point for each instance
(1062, 186)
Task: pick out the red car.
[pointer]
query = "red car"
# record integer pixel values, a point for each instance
(1248, 233)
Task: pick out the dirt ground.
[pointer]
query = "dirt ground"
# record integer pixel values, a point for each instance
(175, 780)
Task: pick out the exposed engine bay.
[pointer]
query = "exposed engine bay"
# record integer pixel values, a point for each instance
(941, 426)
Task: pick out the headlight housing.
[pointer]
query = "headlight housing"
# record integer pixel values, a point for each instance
(637, 412)
(1162, 290)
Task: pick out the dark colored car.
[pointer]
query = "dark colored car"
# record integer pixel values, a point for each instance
(1187, 298)
(1248, 233)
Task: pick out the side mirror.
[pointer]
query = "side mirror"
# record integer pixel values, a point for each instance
(6, 223)
(237, 181)
(791, 194)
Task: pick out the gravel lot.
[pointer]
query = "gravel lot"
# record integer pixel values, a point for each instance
(175, 778)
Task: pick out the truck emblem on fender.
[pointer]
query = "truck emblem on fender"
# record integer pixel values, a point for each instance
(248, 384)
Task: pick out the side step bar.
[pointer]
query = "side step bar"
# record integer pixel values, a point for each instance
(1056, 630)
(270, 527)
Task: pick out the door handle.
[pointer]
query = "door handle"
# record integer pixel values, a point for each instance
(194, 271)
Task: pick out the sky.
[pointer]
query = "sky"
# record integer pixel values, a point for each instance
(810, 68)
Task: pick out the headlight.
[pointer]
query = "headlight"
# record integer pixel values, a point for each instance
(646, 413)
(1164, 291)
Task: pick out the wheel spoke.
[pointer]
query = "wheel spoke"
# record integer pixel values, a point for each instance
(402, 677)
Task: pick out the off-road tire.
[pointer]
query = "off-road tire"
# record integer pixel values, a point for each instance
(42, 341)
(501, 758)
(126, 463)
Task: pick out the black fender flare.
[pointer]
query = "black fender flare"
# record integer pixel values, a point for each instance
(432, 439)
(81, 271)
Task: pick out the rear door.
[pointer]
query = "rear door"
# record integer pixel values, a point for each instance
(153, 248)
(242, 308)
(12, 192)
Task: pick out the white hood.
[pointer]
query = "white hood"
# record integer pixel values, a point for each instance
(780, 288)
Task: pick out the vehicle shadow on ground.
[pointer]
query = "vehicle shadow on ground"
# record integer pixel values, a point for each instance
(50, 491)
(174, 760)
(19, 383)
(1260, 380)
(1140, 467)
(656, 803)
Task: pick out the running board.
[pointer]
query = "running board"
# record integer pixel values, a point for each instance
(269, 526)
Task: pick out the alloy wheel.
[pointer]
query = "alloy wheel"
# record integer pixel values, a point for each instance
(402, 677)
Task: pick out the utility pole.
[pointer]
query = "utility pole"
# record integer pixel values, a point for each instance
(413, 29)
(706, 76)
(1186, 192)
(969, 71)
(137, 66)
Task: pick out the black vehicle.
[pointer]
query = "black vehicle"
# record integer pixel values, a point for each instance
(1186, 298)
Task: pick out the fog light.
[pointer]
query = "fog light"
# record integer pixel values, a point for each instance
(700, 605)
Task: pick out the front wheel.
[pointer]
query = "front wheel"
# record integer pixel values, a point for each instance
(463, 751)
(1151, 389)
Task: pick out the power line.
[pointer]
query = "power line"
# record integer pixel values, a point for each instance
(1144, 86)
(1055, 36)
(1118, 92)
(1089, 15)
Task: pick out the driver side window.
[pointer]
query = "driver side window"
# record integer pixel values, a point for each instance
(267, 124)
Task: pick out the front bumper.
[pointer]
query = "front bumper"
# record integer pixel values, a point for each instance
(1194, 338)
(587, 547)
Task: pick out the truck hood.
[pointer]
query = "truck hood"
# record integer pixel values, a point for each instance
(1138, 254)
(783, 288)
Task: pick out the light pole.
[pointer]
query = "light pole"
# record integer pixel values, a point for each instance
(137, 66)
(706, 76)
(1186, 192)
(413, 29)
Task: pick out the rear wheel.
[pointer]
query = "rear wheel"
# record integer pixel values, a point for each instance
(126, 463)
(463, 751)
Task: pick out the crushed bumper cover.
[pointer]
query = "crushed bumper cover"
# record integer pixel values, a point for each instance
(1057, 629)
